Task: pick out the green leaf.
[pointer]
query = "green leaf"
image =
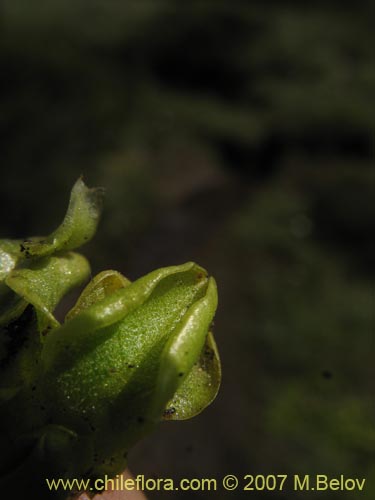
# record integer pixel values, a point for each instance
(114, 365)
(65, 345)
(46, 281)
(78, 226)
(199, 388)
(102, 285)
(184, 347)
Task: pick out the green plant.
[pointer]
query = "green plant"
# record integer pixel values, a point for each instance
(76, 396)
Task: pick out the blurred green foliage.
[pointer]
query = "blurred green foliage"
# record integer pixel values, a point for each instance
(313, 328)
(241, 135)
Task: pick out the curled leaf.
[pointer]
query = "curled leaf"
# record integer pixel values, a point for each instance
(78, 226)
(46, 281)
(109, 371)
(102, 285)
(199, 387)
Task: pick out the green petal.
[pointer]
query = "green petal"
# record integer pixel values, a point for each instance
(102, 285)
(103, 364)
(66, 345)
(78, 226)
(184, 347)
(46, 281)
(199, 388)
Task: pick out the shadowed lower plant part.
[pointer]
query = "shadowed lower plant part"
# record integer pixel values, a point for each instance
(75, 396)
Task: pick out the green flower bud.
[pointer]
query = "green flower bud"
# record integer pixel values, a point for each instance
(74, 397)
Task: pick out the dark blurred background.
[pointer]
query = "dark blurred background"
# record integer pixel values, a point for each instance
(238, 135)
